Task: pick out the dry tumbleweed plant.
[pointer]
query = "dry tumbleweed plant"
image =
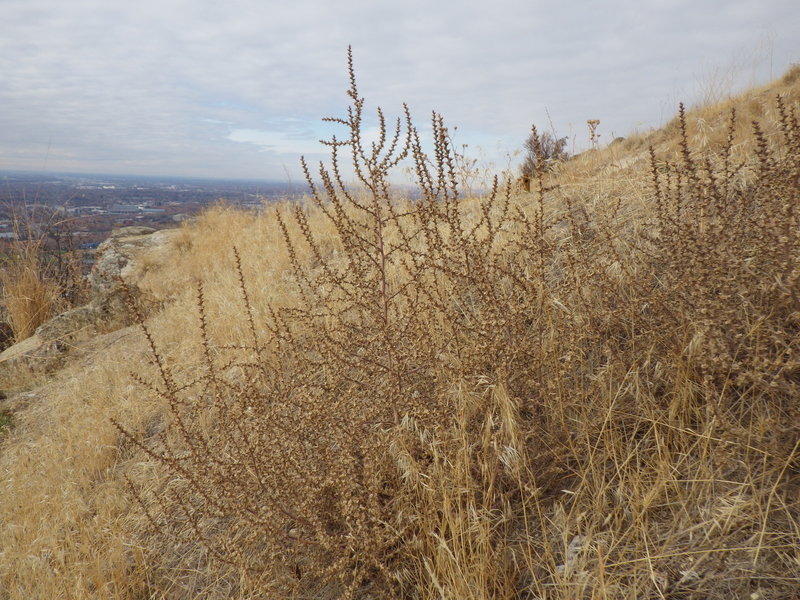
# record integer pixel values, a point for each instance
(466, 387)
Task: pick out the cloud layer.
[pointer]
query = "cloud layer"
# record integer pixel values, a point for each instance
(237, 88)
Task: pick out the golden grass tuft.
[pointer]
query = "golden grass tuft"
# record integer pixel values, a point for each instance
(40, 274)
(27, 295)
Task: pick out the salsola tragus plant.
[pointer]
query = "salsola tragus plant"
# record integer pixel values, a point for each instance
(282, 441)
(483, 397)
(726, 236)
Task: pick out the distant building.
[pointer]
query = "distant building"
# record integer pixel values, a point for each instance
(8, 235)
(124, 209)
(86, 210)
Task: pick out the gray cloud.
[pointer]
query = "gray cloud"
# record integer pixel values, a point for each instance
(196, 87)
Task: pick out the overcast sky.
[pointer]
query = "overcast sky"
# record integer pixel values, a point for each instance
(236, 88)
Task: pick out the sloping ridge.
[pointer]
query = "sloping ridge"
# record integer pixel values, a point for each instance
(66, 523)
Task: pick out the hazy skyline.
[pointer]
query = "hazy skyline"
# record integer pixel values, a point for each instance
(238, 88)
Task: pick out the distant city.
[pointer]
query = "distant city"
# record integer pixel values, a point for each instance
(75, 213)
(90, 206)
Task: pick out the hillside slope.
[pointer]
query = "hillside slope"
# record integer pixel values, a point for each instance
(587, 391)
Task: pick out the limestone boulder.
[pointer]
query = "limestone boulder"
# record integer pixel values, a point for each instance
(113, 277)
(116, 256)
(44, 351)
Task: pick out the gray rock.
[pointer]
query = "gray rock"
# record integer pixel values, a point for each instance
(44, 351)
(115, 255)
(132, 231)
(28, 357)
(115, 267)
(76, 324)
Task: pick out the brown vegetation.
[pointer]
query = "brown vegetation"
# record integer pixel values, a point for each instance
(543, 151)
(590, 391)
(40, 274)
(27, 295)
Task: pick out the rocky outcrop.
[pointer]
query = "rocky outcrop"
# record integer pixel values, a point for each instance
(115, 257)
(112, 282)
(44, 350)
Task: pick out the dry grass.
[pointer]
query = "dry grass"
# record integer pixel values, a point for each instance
(27, 295)
(37, 280)
(589, 391)
(63, 531)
